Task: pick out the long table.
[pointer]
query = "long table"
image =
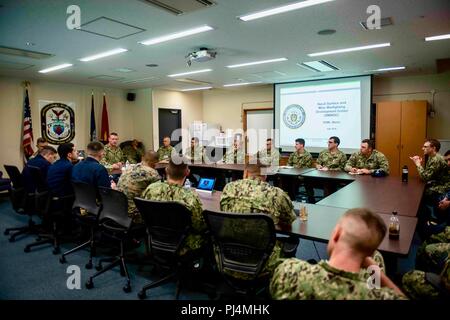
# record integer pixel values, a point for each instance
(383, 195)
(321, 221)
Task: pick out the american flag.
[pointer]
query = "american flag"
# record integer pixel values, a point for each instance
(27, 138)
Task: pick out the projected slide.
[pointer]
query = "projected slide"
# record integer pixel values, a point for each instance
(316, 111)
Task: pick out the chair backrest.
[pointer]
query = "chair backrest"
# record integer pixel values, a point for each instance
(86, 197)
(14, 175)
(244, 241)
(38, 179)
(114, 207)
(168, 224)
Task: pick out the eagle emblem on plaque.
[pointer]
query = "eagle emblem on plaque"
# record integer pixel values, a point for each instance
(57, 123)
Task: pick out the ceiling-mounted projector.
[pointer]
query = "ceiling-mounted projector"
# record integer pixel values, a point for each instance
(202, 55)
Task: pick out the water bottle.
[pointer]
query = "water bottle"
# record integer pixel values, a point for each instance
(394, 226)
(405, 173)
(187, 184)
(127, 164)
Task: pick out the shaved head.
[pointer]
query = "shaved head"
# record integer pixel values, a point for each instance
(360, 230)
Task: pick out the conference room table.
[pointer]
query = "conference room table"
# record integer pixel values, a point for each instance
(383, 195)
(321, 221)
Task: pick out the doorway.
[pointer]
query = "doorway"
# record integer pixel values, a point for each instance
(258, 126)
(169, 120)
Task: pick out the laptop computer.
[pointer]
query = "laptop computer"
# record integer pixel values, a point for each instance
(206, 185)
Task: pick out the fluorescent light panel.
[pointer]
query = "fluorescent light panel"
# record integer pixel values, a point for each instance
(318, 66)
(190, 72)
(104, 54)
(390, 69)
(256, 62)
(140, 80)
(372, 46)
(282, 9)
(441, 37)
(177, 35)
(240, 84)
(58, 67)
(194, 89)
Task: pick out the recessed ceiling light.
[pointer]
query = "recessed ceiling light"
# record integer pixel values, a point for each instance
(194, 89)
(256, 62)
(58, 67)
(104, 54)
(282, 9)
(151, 65)
(125, 70)
(372, 46)
(318, 66)
(190, 72)
(441, 37)
(326, 32)
(141, 80)
(388, 69)
(240, 84)
(177, 35)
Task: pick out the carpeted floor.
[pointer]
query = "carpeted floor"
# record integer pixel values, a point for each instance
(39, 275)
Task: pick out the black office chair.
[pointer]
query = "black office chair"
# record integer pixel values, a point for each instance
(51, 209)
(242, 244)
(22, 203)
(86, 210)
(116, 224)
(168, 224)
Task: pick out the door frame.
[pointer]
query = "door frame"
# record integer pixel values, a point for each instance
(244, 123)
(180, 123)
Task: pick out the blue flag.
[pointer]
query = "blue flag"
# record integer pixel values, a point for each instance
(93, 132)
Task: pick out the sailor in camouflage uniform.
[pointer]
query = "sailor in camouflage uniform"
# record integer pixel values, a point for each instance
(195, 151)
(367, 160)
(300, 158)
(420, 285)
(132, 153)
(269, 156)
(136, 179)
(173, 190)
(113, 159)
(235, 155)
(434, 170)
(253, 195)
(332, 158)
(354, 239)
(433, 251)
(166, 150)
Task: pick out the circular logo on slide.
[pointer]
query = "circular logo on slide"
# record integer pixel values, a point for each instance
(294, 116)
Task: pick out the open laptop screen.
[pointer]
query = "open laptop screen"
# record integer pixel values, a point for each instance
(206, 184)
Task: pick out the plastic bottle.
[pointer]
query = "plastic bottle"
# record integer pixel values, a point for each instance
(127, 164)
(187, 184)
(405, 173)
(394, 226)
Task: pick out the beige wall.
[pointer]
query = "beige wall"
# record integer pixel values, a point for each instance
(123, 115)
(224, 107)
(142, 112)
(190, 104)
(419, 88)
